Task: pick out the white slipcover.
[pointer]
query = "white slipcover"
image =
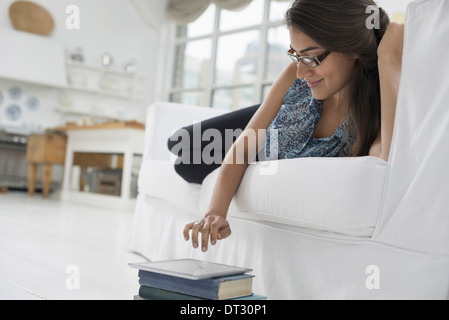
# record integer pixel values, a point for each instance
(397, 248)
(340, 195)
(415, 211)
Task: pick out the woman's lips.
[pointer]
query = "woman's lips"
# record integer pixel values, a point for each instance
(314, 83)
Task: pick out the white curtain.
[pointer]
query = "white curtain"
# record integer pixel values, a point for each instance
(186, 11)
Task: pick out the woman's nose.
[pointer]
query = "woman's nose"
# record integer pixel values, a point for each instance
(303, 71)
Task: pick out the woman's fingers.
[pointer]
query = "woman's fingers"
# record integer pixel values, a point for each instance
(213, 227)
(219, 230)
(205, 235)
(196, 229)
(225, 232)
(186, 231)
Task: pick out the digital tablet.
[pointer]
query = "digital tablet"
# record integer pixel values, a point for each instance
(190, 269)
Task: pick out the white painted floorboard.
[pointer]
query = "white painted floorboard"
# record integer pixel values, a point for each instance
(41, 238)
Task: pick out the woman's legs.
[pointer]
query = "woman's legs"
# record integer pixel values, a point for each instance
(190, 164)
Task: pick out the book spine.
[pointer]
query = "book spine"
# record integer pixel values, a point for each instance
(207, 289)
(152, 293)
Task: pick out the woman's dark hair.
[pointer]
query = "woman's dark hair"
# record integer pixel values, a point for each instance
(341, 26)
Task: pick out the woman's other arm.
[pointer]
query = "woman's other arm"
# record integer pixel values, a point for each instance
(390, 63)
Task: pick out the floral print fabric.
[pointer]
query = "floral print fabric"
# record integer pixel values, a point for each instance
(295, 124)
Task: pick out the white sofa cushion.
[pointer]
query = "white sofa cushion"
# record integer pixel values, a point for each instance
(158, 179)
(341, 195)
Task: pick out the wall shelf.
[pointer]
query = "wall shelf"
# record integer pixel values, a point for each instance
(78, 112)
(106, 70)
(104, 81)
(104, 92)
(83, 89)
(98, 88)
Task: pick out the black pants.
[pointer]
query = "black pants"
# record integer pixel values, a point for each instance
(190, 164)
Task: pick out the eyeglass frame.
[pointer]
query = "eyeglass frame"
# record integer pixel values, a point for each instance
(318, 59)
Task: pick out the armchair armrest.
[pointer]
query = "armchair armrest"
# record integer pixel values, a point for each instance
(163, 118)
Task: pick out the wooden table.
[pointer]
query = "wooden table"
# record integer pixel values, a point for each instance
(111, 125)
(45, 149)
(124, 140)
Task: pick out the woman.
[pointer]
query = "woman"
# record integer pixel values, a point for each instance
(338, 98)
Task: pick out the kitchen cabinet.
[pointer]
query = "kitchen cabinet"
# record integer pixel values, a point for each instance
(83, 90)
(32, 59)
(106, 149)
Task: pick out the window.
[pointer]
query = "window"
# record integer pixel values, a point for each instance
(229, 59)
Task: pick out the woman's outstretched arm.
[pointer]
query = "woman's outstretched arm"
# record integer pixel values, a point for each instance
(215, 226)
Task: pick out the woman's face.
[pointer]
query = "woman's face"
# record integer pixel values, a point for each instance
(331, 77)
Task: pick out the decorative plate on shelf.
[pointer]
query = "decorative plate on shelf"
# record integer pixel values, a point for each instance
(32, 103)
(13, 112)
(15, 93)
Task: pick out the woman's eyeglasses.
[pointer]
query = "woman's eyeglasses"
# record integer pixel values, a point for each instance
(311, 62)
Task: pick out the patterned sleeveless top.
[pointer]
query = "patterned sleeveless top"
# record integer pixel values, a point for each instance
(295, 124)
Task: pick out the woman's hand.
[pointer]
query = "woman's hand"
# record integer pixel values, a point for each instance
(213, 226)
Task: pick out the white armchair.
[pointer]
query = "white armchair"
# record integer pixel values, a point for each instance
(343, 228)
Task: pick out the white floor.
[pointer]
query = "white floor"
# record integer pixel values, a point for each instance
(62, 251)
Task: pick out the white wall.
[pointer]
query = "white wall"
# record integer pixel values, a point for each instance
(113, 26)
(395, 8)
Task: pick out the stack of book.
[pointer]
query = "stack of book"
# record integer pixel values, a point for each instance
(193, 280)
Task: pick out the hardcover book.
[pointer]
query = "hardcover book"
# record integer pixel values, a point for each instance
(220, 288)
(151, 293)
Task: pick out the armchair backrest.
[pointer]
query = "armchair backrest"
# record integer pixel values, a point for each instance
(415, 212)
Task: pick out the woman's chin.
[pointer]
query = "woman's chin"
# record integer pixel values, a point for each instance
(317, 96)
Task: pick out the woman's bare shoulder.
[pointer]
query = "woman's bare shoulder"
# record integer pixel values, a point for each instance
(275, 98)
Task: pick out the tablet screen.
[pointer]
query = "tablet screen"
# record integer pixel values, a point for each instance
(190, 268)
